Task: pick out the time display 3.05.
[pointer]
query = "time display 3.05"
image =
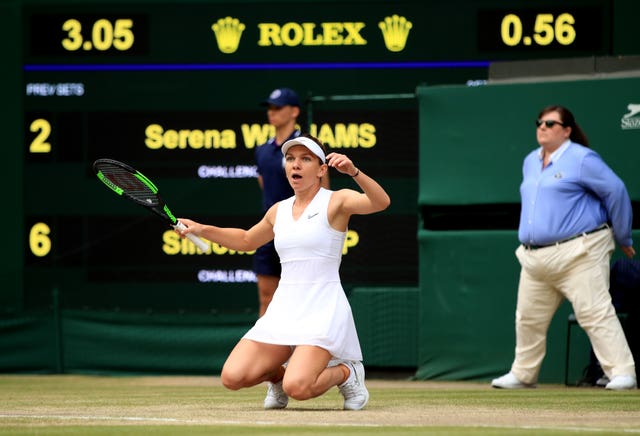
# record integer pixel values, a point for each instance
(518, 30)
(87, 34)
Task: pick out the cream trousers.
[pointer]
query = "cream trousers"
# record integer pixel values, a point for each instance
(577, 270)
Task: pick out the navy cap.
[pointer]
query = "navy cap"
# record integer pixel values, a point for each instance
(282, 97)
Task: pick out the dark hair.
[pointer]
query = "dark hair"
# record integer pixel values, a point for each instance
(577, 135)
(317, 141)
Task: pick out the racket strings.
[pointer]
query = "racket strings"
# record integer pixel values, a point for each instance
(130, 184)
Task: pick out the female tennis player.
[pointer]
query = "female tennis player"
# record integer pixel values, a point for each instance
(309, 324)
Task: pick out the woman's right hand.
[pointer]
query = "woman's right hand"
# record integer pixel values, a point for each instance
(191, 227)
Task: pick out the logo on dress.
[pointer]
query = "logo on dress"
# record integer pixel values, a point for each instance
(311, 215)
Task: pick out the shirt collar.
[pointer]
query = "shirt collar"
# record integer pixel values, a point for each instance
(556, 154)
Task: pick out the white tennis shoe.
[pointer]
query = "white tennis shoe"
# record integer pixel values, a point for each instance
(355, 393)
(622, 382)
(509, 381)
(276, 397)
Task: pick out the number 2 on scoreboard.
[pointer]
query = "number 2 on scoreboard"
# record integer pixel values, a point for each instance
(43, 129)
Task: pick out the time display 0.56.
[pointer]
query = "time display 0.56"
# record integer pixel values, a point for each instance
(85, 34)
(567, 29)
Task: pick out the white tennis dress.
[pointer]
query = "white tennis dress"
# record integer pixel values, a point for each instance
(309, 307)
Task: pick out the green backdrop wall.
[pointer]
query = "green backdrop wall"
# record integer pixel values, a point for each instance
(472, 144)
(69, 309)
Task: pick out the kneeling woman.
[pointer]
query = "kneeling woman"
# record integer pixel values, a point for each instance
(309, 324)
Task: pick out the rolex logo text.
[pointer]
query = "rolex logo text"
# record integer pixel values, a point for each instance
(295, 34)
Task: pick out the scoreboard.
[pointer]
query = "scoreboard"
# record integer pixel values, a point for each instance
(173, 89)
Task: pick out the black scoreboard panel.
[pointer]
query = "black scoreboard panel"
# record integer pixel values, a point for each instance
(312, 31)
(173, 88)
(203, 164)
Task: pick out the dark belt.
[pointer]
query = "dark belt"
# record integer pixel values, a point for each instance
(571, 238)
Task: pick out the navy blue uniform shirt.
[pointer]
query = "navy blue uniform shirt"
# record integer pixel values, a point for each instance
(270, 162)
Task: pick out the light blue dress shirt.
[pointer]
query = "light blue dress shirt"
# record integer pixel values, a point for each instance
(577, 192)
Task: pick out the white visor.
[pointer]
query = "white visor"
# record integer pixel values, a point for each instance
(311, 145)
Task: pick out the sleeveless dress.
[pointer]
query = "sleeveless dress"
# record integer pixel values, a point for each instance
(309, 306)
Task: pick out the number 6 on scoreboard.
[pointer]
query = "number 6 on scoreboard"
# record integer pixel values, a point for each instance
(130, 183)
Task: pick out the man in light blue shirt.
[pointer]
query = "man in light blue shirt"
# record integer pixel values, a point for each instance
(575, 193)
(573, 206)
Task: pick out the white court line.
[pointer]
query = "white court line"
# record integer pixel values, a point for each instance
(180, 421)
(321, 424)
(88, 417)
(580, 429)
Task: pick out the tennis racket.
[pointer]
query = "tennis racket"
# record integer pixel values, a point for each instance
(130, 183)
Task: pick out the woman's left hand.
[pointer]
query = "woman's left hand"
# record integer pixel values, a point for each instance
(342, 163)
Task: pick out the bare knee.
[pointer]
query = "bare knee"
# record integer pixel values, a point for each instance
(298, 389)
(232, 380)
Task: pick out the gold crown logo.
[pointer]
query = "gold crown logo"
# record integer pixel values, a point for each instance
(395, 31)
(228, 32)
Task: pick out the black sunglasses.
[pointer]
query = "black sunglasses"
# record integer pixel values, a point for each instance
(548, 123)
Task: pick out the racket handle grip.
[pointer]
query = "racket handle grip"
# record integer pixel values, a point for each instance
(193, 238)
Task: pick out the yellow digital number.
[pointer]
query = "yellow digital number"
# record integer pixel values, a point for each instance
(123, 35)
(546, 30)
(74, 36)
(39, 241)
(543, 29)
(43, 130)
(104, 35)
(511, 30)
(565, 32)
